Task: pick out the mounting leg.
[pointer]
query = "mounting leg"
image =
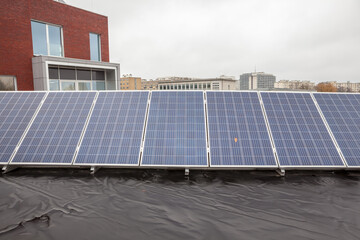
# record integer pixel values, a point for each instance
(281, 172)
(8, 168)
(93, 170)
(187, 172)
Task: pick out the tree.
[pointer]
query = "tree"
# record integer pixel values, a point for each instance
(325, 87)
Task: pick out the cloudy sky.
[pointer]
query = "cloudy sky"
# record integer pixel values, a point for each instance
(317, 40)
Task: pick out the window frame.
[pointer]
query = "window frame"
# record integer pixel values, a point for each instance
(48, 39)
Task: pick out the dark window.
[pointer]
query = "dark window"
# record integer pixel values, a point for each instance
(53, 73)
(98, 75)
(67, 73)
(83, 74)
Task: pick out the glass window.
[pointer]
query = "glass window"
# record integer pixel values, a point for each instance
(175, 87)
(67, 73)
(53, 73)
(183, 86)
(200, 86)
(98, 75)
(187, 86)
(7, 83)
(38, 31)
(195, 85)
(83, 74)
(55, 40)
(191, 86)
(46, 39)
(67, 86)
(95, 47)
(209, 86)
(98, 85)
(84, 86)
(204, 86)
(54, 85)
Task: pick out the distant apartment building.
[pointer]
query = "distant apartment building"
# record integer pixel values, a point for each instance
(294, 85)
(149, 84)
(178, 83)
(129, 82)
(346, 86)
(257, 81)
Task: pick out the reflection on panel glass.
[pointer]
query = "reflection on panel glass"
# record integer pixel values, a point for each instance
(54, 85)
(84, 86)
(55, 40)
(98, 85)
(39, 38)
(67, 86)
(94, 47)
(7, 83)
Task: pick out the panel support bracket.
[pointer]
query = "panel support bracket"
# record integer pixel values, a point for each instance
(187, 172)
(94, 169)
(281, 172)
(8, 168)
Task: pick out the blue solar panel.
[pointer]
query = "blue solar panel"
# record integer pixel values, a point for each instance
(16, 112)
(342, 113)
(56, 130)
(175, 132)
(114, 133)
(237, 131)
(300, 135)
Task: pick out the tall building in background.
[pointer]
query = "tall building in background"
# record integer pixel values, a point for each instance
(179, 83)
(257, 81)
(128, 82)
(49, 45)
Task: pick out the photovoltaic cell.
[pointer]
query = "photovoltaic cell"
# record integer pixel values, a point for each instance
(300, 135)
(16, 112)
(114, 133)
(342, 113)
(175, 132)
(55, 132)
(237, 131)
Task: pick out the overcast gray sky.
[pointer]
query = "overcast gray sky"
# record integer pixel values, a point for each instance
(317, 40)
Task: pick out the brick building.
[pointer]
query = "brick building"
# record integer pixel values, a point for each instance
(49, 45)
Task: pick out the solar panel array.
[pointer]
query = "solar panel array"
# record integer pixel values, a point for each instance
(114, 133)
(176, 133)
(300, 135)
(56, 130)
(237, 131)
(16, 112)
(342, 113)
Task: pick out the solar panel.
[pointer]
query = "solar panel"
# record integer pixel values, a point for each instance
(114, 133)
(237, 131)
(55, 132)
(342, 113)
(16, 111)
(300, 135)
(175, 132)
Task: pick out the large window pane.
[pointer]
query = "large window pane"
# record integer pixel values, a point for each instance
(55, 40)
(83, 74)
(54, 85)
(39, 38)
(66, 73)
(67, 86)
(98, 75)
(84, 86)
(98, 85)
(95, 47)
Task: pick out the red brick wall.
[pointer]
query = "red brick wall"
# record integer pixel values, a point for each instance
(16, 41)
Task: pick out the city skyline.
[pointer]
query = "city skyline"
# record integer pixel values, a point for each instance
(314, 40)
